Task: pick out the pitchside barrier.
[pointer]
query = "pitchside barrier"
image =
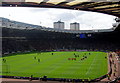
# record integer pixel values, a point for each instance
(56, 79)
(117, 80)
(51, 79)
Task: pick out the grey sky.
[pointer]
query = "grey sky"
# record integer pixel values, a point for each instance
(46, 17)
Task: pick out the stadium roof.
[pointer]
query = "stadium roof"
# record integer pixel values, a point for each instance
(102, 6)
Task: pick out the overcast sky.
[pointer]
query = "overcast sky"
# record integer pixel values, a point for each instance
(46, 17)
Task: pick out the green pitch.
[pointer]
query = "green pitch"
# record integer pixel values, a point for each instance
(56, 65)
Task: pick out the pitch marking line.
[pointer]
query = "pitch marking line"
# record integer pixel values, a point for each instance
(91, 65)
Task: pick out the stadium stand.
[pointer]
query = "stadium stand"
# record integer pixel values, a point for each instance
(15, 40)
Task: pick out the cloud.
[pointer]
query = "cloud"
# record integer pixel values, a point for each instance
(66, 16)
(96, 20)
(46, 17)
(38, 10)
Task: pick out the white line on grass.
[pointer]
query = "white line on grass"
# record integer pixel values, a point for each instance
(91, 65)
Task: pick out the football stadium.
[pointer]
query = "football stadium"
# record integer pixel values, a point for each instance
(37, 54)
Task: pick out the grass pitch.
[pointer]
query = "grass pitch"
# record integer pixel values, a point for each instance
(56, 65)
